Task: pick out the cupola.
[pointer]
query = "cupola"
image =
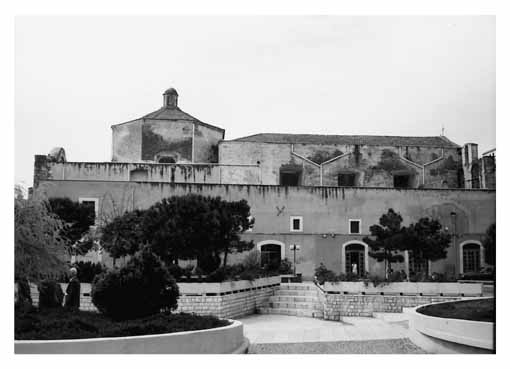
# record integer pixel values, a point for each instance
(170, 98)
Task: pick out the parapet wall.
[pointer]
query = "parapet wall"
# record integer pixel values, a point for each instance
(146, 172)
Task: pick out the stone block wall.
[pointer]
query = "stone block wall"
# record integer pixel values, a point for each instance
(225, 305)
(230, 305)
(85, 296)
(338, 305)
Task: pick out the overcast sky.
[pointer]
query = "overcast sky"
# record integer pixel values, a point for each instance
(76, 76)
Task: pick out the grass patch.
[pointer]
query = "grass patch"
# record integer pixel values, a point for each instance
(479, 310)
(60, 324)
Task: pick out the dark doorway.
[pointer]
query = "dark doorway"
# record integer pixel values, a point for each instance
(289, 178)
(270, 256)
(347, 179)
(402, 181)
(355, 259)
(471, 258)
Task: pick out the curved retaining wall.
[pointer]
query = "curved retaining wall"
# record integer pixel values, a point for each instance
(222, 340)
(445, 335)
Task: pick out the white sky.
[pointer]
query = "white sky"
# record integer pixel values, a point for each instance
(76, 76)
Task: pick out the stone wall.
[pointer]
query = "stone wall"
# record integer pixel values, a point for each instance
(231, 305)
(374, 166)
(228, 304)
(338, 305)
(85, 297)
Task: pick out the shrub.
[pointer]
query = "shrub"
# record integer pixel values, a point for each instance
(142, 288)
(348, 277)
(285, 267)
(53, 325)
(323, 274)
(23, 301)
(175, 271)
(219, 275)
(50, 294)
(87, 270)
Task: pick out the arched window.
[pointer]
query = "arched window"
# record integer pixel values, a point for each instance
(471, 259)
(270, 256)
(355, 259)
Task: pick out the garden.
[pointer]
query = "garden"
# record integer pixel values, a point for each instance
(483, 310)
(139, 298)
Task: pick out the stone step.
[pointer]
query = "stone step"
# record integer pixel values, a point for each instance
(298, 286)
(295, 312)
(279, 298)
(297, 293)
(295, 305)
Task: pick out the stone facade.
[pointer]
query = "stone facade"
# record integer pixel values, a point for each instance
(324, 182)
(325, 213)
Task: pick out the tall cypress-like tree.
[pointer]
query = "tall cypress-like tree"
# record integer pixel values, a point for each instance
(489, 243)
(427, 240)
(387, 240)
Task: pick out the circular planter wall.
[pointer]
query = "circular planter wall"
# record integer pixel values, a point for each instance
(446, 335)
(223, 340)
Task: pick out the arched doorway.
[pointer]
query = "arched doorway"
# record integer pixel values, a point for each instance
(471, 257)
(271, 253)
(270, 256)
(355, 258)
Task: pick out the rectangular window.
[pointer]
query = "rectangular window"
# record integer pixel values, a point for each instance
(346, 179)
(289, 178)
(296, 224)
(92, 202)
(401, 181)
(354, 226)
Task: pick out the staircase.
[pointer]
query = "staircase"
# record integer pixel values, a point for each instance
(298, 299)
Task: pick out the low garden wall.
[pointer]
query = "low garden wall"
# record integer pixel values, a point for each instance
(357, 299)
(225, 300)
(336, 305)
(450, 336)
(406, 288)
(223, 340)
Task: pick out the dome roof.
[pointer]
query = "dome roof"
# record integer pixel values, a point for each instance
(170, 91)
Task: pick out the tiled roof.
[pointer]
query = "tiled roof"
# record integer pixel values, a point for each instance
(172, 114)
(431, 141)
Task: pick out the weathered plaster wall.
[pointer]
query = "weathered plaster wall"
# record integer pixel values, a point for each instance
(325, 211)
(178, 173)
(169, 138)
(206, 144)
(127, 141)
(374, 166)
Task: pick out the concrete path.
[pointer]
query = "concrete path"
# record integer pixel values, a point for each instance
(292, 329)
(282, 334)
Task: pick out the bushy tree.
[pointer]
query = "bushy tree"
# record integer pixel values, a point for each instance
(387, 240)
(123, 235)
(38, 244)
(427, 240)
(141, 288)
(77, 219)
(489, 243)
(195, 226)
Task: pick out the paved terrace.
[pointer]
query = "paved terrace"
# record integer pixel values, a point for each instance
(281, 334)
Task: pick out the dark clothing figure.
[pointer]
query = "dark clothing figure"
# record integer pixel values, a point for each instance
(72, 301)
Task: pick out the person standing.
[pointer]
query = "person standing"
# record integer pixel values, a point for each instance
(72, 301)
